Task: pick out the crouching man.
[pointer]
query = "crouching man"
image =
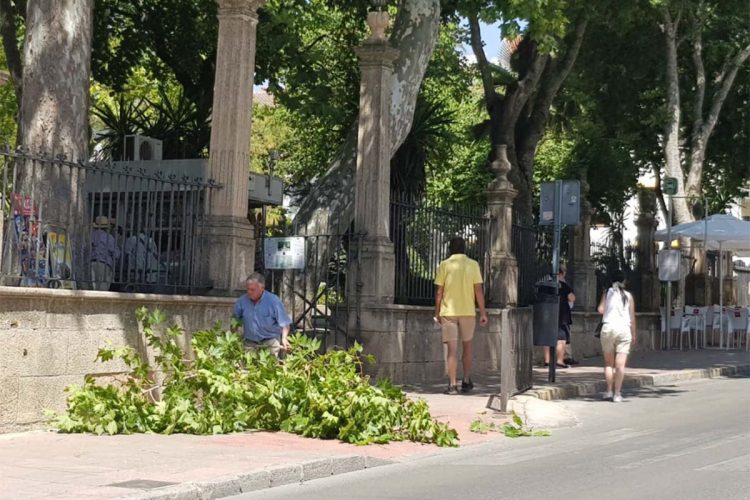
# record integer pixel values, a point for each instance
(265, 322)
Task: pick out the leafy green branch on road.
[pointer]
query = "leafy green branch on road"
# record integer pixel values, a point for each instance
(513, 429)
(222, 388)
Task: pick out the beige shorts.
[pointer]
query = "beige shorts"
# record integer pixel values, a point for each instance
(272, 345)
(615, 339)
(452, 326)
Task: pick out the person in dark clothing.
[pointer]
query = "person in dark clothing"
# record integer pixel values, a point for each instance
(567, 300)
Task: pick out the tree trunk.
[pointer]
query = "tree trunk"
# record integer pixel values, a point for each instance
(56, 77)
(687, 168)
(671, 148)
(54, 117)
(518, 118)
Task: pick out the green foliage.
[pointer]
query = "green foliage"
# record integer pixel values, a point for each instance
(161, 111)
(222, 388)
(8, 108)
(513, 429)
(456, 163)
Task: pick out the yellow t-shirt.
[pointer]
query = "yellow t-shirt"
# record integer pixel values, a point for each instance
(457, 275)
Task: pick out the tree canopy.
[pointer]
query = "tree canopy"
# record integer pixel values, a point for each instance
(602, 92)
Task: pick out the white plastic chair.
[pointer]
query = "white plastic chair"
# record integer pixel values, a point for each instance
(712, 322)
(738, 325)
(717, 323)
(697, 322)
(678, 323)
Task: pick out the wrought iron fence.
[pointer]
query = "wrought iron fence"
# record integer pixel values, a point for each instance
(320, 307)
(607, 259)
(96, 225)
(524, 247)
(420, 232)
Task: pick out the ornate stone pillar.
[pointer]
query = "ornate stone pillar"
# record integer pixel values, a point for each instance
(647, 294)
(229, 246)
(582, 275)
(503, 285)
(375, 273)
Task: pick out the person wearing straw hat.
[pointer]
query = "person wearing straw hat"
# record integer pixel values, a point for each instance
(104, 253)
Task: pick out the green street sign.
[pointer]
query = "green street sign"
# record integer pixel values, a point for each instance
(669, 186)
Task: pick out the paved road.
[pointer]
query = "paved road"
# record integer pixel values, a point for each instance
(684, 442)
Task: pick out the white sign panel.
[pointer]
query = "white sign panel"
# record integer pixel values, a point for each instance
(284, 253)
(668, 262)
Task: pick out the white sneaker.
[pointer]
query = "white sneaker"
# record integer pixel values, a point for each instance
(617, 398)
(608, 395)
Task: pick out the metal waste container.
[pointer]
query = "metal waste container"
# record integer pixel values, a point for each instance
(546, 311)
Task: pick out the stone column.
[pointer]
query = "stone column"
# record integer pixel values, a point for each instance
(229, 246)
(503, 283)
(372, 189)
(582, 276)
(649, 290)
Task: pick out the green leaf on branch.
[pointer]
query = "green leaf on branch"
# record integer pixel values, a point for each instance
(219, 388)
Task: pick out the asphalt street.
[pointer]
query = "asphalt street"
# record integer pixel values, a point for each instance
(685, 442)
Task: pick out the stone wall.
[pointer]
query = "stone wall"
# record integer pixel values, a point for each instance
(49, 339)
(408, 344)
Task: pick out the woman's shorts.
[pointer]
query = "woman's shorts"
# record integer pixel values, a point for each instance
(615, 339)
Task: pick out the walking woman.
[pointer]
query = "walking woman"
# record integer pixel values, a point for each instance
(618, 332)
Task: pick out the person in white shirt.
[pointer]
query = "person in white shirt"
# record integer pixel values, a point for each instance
(618, 333)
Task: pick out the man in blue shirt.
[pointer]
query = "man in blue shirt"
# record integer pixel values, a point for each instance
(264, 320)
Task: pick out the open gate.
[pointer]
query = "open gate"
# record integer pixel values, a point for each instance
(310, 275)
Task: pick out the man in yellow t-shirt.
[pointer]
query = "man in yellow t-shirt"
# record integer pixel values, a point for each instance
(459, 283)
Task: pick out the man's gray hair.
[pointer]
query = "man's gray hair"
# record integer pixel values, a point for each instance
(256, 278)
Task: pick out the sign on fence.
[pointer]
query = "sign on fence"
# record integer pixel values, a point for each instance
(284, 253)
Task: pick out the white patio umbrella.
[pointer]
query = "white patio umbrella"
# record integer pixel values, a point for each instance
(720, 231)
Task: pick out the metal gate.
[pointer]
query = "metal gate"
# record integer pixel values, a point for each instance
(310, 275)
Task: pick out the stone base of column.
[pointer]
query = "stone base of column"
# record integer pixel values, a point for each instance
(583, 281)
(227, 254)
(374, 272)
(503, 286)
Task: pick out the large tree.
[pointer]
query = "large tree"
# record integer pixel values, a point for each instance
(545, 47)
(54, 112)
(705, 45)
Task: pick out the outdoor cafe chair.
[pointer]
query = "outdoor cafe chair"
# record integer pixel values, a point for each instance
(697, 321)
(678, 323)
(738, 325)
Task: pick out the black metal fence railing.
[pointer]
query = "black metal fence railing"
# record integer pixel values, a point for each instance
(420, 232)
(524, 247)
(607, 259)
(319, 307)
(100, 226)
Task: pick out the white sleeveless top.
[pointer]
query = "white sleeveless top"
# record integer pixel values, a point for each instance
(615, 312)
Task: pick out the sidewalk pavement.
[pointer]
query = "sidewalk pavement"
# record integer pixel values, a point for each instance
(49, 465)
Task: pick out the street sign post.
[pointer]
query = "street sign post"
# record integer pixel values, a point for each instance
(559, 203)
(669, 187)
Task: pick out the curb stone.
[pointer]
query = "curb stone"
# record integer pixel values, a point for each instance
(262, 479)
(577, 389)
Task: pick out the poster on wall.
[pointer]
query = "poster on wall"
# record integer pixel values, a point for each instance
(60, 259)
(30, 244)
